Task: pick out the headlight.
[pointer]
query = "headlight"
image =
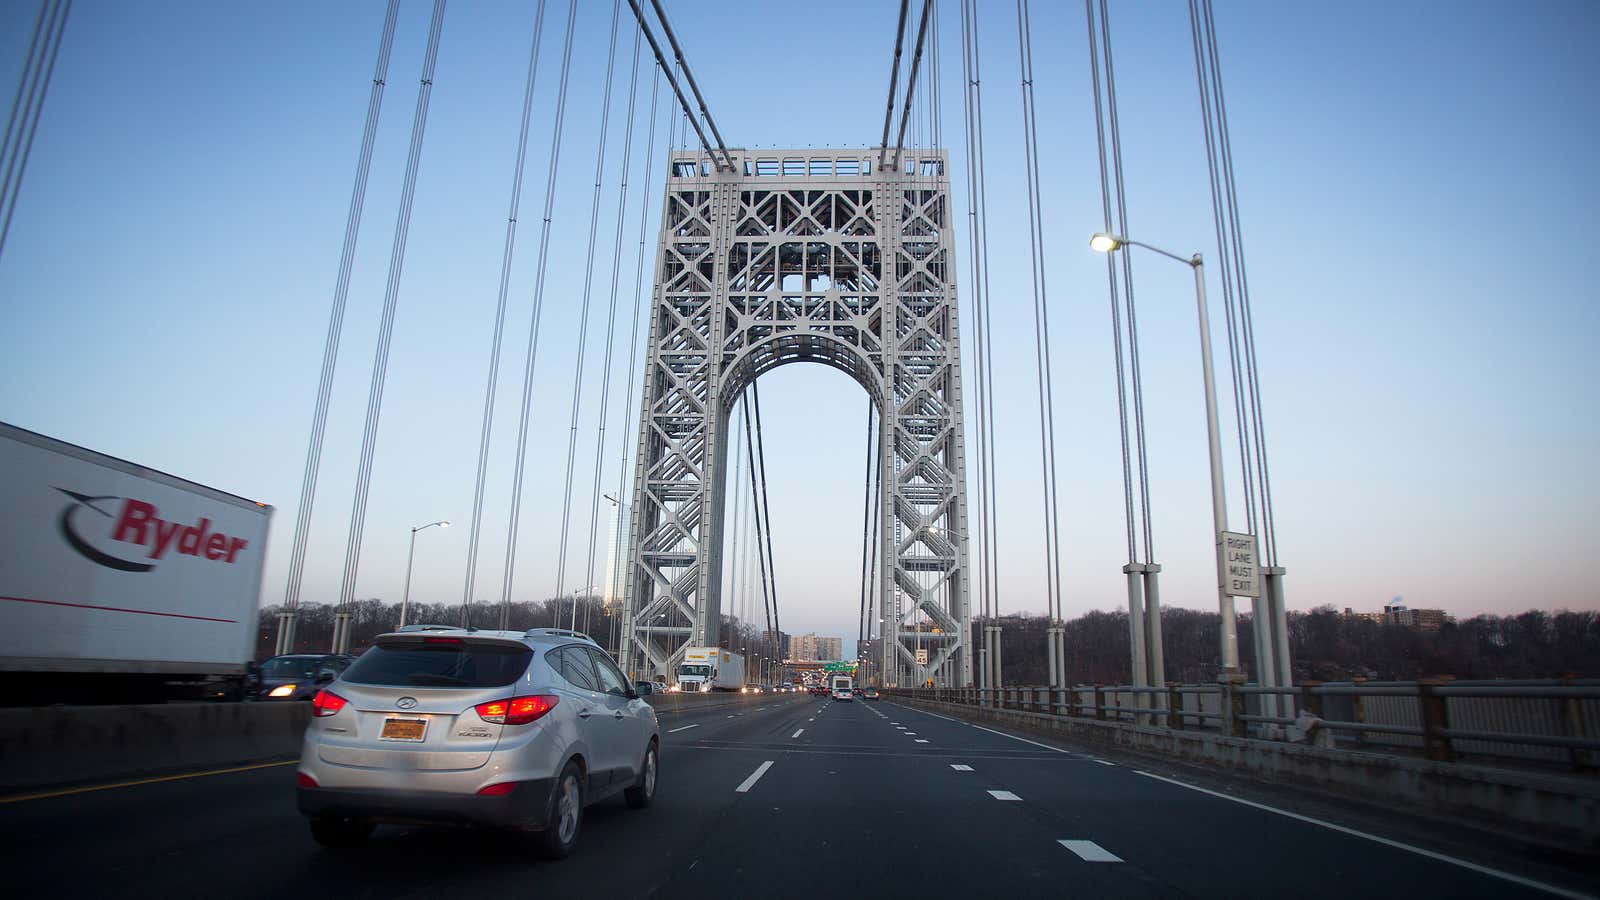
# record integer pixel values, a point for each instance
(282, 690)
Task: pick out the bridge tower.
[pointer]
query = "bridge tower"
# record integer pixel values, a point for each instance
(787, 256)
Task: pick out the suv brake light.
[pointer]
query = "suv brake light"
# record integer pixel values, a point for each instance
(516, 710)
(326, 703)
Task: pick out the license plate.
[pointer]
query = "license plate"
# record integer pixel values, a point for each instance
(403, 729)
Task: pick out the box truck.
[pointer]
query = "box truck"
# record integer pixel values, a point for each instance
(119, 583)
(710, 669)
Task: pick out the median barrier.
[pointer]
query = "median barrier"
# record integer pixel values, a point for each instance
(61, 745)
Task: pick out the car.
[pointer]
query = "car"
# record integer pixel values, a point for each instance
(843, 694)
(298, 676)
(518, 730)
(869, 693)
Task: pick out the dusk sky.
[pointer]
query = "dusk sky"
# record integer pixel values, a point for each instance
(1417, 190)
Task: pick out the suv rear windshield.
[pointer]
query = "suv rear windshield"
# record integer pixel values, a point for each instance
(440, 665)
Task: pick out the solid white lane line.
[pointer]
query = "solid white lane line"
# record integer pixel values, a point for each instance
(796, 734)
(960, 768)
(683, 728)
(1089, 851)
(1482, 870)
(754, 777)
(1104, 763)
(922, 740)
(1015, 738)
(1004, 795)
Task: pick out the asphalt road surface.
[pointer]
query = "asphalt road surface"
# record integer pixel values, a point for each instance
(786, 796)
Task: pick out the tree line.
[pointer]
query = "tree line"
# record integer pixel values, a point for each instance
(1323, 644)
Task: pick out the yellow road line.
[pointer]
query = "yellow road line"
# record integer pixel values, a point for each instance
(45, 795)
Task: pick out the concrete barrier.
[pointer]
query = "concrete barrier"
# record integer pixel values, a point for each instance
(56, 746)
(1558, 810)
(61, 745)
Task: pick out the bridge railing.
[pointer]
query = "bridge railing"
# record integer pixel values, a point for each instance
(1549, 723)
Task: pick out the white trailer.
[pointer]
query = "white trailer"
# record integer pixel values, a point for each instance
(710, 669)
(116, 579)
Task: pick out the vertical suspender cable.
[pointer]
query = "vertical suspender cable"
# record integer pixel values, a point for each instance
(1111, 280)
(755, 502)
(633, 345)
(341, 292)
(1269, 530)
(1120, 184)
(380, 362)
(766, 507)
(734, 531)
(977, 310)
(911, 81)
(583, 313)
(476, 526)
(40, 66)
(611, 314)
(1041, 315)
(1219, 216)
(866, 527)
(533, 326)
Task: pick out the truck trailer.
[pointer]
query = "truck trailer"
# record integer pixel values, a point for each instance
(710, 669)
(119, 583)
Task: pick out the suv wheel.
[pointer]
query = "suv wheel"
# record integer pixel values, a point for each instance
(339, 833)
(643, 793)
(565, 815)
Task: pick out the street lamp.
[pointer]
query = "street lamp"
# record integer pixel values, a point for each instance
(405, 601)
(1229, 639)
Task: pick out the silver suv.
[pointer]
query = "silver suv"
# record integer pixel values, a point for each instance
(502, 728)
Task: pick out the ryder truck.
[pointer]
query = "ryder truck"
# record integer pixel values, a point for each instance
(118, 583)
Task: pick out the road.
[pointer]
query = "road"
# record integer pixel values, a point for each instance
(787, 796)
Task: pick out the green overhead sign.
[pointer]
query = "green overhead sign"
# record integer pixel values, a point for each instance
(842, 666)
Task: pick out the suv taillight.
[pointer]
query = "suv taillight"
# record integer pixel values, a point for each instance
(516, 710)
(326, 703)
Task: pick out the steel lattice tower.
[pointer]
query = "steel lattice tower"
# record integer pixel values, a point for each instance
(802, 256)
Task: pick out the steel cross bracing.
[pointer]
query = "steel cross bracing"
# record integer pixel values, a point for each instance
(802, 256)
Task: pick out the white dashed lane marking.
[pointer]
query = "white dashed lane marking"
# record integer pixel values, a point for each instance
(754, 777)
(1089, 851)
(1004, 795)
(922, 740)
(960, 768)
(796, 734)
(683, 728)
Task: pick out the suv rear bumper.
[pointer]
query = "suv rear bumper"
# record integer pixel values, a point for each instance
(524, 807)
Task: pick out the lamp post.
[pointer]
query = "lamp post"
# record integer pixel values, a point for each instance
(1229, 638)
(405, 601)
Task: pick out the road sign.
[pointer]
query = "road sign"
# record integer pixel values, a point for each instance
(848, 665)
(922, 656)
(1240, 566)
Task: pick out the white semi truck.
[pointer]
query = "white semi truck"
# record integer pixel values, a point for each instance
(119, 583)
(710, 669)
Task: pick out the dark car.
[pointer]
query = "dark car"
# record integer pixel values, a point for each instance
(870, 693)
(298, 676)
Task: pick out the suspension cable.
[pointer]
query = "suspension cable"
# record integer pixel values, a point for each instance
(1041, 315)
(755, 500)
(633, 345)
(391, 299)
(341, 292)
(37, 71)
(688, 75)
(683, 102)
(866, 525)
(476, 526)
(894, 80)
(1120, 184)
(532, 356)
(766, 505)
(911, 82)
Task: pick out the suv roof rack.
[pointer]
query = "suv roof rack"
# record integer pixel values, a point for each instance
(423, 627)
(561, 632)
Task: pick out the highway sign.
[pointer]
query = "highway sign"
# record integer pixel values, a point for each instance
(1240, 565)
(848, 665)
(922, 656)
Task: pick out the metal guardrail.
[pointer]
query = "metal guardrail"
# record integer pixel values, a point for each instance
(1550, 722)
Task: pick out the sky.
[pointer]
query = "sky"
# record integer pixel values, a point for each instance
(1419, 207)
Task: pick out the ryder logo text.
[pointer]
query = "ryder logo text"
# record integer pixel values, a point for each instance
(139, 523)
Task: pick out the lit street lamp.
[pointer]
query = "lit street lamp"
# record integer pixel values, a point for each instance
(1229, 639)
(405, 601)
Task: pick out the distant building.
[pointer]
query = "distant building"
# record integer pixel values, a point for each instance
(812, 648)
(1399, 614)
